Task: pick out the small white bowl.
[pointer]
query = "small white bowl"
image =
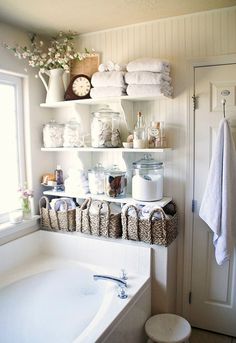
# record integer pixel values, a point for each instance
(128, 145)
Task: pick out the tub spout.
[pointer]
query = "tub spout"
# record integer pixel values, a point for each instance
(121, 283)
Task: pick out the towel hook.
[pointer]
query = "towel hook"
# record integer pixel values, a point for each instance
(225, 92)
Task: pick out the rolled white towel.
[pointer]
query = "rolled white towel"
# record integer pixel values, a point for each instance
(102, 68)
(59, 204)
(110, 65)
(146, 78)
(149, 64)
(149, 90)
(120, 67)
(102, 92)
(110, 78)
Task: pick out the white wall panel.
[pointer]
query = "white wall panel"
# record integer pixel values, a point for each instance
(179, 40)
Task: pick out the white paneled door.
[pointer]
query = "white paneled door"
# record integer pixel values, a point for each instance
(213, 300)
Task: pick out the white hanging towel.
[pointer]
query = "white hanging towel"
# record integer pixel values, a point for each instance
(218, 207)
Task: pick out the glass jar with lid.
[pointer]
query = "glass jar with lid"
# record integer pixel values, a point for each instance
(147, 180)
(96, 179)
(105, 129)
(53, 134)
(72, 135)
(115, 182)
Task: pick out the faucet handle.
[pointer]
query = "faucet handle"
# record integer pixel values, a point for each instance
(121, 293)
(123, 275)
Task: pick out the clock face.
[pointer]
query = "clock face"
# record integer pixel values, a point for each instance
(81, 86)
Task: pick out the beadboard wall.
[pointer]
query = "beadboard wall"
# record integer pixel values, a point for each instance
(179, 40)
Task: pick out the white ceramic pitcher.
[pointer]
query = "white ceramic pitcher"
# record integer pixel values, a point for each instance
(56, 86)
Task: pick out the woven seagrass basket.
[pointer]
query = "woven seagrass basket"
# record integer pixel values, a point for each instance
(56, 220)
(161, 231)
(99, 224)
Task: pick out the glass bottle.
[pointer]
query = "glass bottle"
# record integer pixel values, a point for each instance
(140, 139)
(59, 179)
(154, 135)
(163, 136)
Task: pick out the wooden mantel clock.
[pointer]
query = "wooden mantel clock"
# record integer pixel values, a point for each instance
(79, 88)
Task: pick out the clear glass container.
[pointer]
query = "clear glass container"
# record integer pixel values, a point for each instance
(140, 135)
(72, 135)
(53, 134)
(147, 180)
(115, 182)
(96, 179)
(105, 129)
(154, 135)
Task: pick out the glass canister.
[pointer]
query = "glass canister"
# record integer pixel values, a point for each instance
(96, 179)
(115, 182)
(105, 129)
(147, 180)
(72, 136)
(53, 134)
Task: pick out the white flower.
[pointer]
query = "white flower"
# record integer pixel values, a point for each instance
(58, 54)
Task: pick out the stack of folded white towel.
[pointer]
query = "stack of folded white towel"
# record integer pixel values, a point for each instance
(108, 81)
(77, 182)
(148, 77)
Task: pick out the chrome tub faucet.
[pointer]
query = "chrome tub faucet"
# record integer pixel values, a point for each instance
(120, 282)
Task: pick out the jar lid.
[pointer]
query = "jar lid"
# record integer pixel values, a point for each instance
(115, 171)
(147, 162)
(72, 122)
(105, 111)
(97, 169)
(52, 123)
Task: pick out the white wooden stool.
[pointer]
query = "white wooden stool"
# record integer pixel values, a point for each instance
(167, 328)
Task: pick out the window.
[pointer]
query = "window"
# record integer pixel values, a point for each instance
(12, 167)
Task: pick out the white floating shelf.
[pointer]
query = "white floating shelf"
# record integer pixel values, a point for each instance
(101, 101)
(161, 203)
(90, 149)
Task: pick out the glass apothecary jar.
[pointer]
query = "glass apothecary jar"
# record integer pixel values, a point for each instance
(115, 182)
(53, 134)
(105, 129)
(72, 134)
(147, 180)
(96, 179)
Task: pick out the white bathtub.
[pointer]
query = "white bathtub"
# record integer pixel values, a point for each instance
(47, 291)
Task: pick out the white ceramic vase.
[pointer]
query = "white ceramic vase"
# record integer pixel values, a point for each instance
(55, 87)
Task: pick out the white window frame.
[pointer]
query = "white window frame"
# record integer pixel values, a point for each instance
(17, 82)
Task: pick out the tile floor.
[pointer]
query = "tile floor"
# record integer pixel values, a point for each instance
(202, 336)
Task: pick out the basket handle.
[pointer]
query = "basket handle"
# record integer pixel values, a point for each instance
(107, 215)
(163, 216)
(126, 220)
(45, 199)
(85, 206)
